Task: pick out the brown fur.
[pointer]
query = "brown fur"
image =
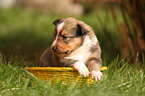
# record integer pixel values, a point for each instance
(68, 40)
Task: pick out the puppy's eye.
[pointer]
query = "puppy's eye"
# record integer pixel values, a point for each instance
(64, 37)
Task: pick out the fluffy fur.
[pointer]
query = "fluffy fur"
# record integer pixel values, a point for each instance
(76, 45)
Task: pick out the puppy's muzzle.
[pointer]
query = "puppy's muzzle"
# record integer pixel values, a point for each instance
(55, 49)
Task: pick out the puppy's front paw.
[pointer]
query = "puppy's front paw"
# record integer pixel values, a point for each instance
(96, 74)
(84, 71)
(81, 68)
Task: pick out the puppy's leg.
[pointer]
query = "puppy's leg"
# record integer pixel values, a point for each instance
(95, 65)
(48, 58)
(81, 68)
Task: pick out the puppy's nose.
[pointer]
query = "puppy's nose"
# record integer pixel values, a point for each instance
(54, 48)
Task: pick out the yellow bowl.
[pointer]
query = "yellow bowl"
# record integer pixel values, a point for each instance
(60, 74)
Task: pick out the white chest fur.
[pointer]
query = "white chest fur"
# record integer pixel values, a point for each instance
(83, 52)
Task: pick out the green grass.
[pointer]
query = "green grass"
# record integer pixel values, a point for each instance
(120, 79)
(29, 33)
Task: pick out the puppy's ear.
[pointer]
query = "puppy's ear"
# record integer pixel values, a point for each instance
(56, 21)
(80, 30)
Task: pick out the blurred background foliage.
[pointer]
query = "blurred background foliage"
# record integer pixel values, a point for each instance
(26, 28)
(131, 32)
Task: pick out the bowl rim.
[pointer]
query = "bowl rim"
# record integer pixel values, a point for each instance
(56, 68)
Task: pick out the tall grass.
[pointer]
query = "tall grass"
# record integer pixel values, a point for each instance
(29, 33)
(117, 80)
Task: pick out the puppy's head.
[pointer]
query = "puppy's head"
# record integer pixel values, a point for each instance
(68, 35)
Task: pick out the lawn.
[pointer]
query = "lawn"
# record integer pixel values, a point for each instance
(25, 35)
(120, 79)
